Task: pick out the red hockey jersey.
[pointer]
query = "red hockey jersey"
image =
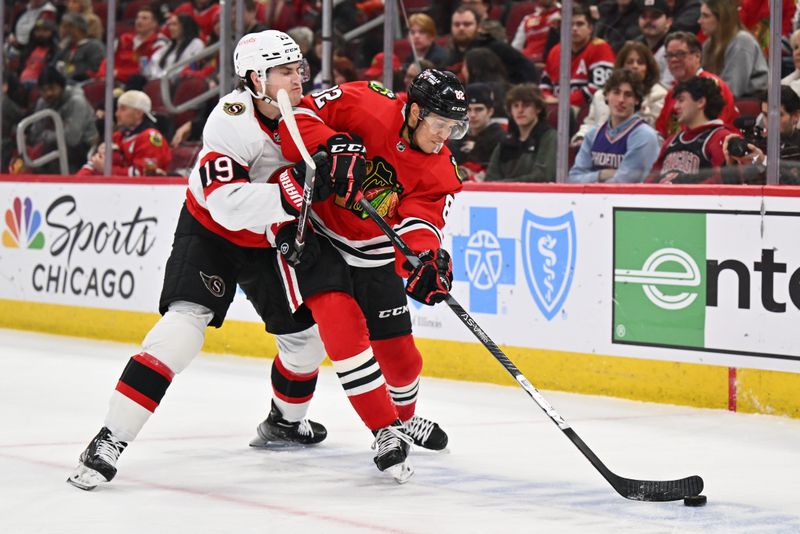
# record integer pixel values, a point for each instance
(667, 124)
(411, 189)
(205, 18)
(590, 68)
(137, 152)
(131, 54)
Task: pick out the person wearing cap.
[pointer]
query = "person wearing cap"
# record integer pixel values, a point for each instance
(139, 148)
(375, 70)
(76, 114)
(473, 151)
(26, 20)
(40, 51)
(655, 21)
(80, 56)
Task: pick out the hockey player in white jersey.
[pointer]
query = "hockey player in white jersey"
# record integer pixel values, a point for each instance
(232, 214)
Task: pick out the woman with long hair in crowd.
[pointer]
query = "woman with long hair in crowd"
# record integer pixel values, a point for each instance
(184, 43)
(637, 57)
(481, 65)
(730, 51)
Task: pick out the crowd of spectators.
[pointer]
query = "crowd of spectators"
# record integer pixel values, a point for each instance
(655, 90)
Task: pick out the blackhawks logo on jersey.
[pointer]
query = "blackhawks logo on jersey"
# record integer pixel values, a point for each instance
(380, 188)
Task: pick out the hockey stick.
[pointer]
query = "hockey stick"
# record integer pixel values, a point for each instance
(287, 113)
(636, 490)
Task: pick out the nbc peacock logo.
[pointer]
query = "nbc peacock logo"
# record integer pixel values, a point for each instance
(22, 226)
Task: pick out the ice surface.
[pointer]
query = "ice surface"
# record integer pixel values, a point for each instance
(508, 468)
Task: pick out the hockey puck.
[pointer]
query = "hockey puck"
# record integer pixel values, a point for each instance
(694, 500)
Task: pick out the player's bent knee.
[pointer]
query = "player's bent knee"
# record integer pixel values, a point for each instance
(178, 336)
(301, 352)
(399, 358)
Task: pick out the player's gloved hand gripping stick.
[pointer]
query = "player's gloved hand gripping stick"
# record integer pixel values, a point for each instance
(637, 490)
(287, 113)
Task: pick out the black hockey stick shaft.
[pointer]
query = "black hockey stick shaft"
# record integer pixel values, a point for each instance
(639, 490)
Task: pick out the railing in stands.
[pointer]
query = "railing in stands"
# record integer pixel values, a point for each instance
(176, 68)
(59, 153)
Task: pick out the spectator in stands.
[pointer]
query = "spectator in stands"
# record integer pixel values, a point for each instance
(693, 154)
(203, 12)
(39, 52)
(464, 35)
(619, 22)
(482, 7)
(474, 150)
(531, 35)
(79, 56)
(730, 51)
(685, 14)
(754, 15)
(481, 65)
(13, 112)
(683, 60)
(22, 29)
(654, 23)
(411, 72)
(793, 80)
(76, 114)
(139, 148)
(623, 148)
(93, 23)
(637, 58)
(343, 70)
(592, 61)
(752, 166)
(528, 151)
(422, 31)
(135, 49)
(375, 70)
(184, 43)
(250, 21)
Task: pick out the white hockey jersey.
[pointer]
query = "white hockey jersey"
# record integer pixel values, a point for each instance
(229, 192)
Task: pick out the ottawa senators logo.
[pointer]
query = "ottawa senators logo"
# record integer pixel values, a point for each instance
(233, 108)
(380, 188)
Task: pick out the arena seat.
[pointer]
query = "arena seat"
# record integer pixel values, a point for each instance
(515, 16)
(153, 90)
(748, 107)
(95, 92)
(183, 157)
(187, 89)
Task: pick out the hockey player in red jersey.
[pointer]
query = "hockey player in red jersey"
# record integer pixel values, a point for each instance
(221, 241)
(410, 177)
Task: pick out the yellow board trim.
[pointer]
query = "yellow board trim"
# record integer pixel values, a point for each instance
(700, 385)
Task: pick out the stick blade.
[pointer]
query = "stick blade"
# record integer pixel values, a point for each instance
(658, 490)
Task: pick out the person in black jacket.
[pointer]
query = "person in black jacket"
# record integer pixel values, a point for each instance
(472, 152)
(465, 35)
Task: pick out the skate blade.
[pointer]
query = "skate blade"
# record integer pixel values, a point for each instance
(274, 445)
(86, 478)
(401, 472)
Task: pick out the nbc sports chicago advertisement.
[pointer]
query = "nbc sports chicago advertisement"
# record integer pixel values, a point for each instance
(601, 273)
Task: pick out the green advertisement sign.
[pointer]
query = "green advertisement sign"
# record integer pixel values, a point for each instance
(659, 277)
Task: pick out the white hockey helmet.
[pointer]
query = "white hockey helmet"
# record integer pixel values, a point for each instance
(260, 52)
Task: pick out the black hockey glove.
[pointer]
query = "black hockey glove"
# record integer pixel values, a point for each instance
(284, 242)
(348, 167)
(292, 180)
(431, 280)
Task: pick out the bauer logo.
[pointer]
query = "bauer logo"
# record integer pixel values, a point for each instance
(719, 281)
(23, 223)
(548, 256)
(483, 259)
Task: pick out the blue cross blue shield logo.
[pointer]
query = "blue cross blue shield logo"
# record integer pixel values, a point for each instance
(483, 259)
(548, 257)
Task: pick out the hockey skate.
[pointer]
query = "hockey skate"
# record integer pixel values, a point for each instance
(392, 446)
(275, 432)
(98, 462)
(425, 433)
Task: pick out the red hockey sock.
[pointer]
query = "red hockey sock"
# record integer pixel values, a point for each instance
(401, 363)
(344, 333)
